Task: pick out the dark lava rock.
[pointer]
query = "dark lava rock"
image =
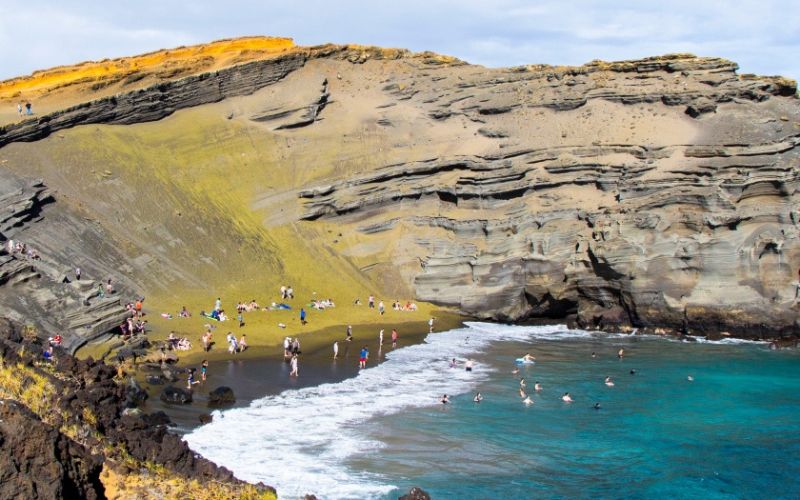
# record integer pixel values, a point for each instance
(205, 418)
(37, 461)
(416, 494)
(174, 395)
(154, 380)
(221, 396)
(134, 394)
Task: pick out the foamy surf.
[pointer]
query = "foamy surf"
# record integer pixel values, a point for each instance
(299, 440)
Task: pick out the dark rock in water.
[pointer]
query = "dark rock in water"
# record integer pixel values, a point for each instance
(174, 395)
(156, 419)
(134, 394)
(221, 396)
(154, 380)
(149, 367)
(37, 461)
(205, 418)
(416, 494)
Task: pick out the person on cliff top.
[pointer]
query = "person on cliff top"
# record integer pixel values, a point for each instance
(77, 274)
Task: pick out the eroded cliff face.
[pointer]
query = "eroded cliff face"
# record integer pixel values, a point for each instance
(653, 193)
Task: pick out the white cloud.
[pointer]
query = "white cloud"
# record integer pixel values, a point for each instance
(762, 36)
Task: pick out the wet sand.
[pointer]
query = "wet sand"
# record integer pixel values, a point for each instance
(261, 372)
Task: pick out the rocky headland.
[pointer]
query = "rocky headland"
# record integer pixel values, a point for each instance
(657, 193)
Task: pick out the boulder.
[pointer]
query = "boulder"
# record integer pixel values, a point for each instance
(174, 395)
(221, 396)
(134, 394)
(205, 418)
(416, 493)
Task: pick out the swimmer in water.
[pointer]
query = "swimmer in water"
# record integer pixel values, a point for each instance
(596, 406)
(468, 365)
(445, 399)
(537, 387)
(594, 354)
(609, 382)
(453, 363)
(478, 398)
(621, 353)
(633, 372)
(514, 371)
(527, 401)
(522, 393)
(528, 357)
(566, 398)
(522, 383)
(690, 378)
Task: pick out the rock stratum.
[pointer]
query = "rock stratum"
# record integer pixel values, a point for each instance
(653, 193)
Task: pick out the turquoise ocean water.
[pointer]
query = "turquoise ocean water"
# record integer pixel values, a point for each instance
(732, 432)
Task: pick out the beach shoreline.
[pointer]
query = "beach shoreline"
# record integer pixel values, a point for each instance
(262, 370)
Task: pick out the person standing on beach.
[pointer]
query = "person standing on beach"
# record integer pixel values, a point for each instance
(394, 337)
(363, 356)
(19, 108)
(381, 307)
(283, 291)
(203, 370)
(240, 317)
(430, 325)
(294, 372)
(335, 349)
(371, 302)
(218, 304)
(302, 316)
(77, 274)
(380, 337)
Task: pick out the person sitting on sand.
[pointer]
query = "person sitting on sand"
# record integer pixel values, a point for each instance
(184, 313)
(528, 357)
(478, 398)
(609, 382)
(566, 398)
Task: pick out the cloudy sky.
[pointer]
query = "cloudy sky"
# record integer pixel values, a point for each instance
(762, 36)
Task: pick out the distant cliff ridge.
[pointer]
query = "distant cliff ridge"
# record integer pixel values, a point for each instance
(658, 193)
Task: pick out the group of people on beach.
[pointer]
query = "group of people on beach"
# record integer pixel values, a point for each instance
(20, 248)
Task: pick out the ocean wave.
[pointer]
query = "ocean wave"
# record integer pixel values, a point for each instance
(298, 440)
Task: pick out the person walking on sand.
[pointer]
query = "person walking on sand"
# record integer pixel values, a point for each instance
(302, 316)
(28, 109)
(430, 325)
(335, 349)
(394, 337)
(203, 370)
(371, 302)
(381, 308)
(19, 108)
(362, 357)
(293, 364)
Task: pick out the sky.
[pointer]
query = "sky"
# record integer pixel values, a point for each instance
(762, 36)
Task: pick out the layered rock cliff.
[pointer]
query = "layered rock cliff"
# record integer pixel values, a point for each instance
(660, 192)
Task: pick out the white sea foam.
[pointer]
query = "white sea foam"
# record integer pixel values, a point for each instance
(298, 440)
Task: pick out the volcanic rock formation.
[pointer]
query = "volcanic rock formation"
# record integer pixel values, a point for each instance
(659, 192)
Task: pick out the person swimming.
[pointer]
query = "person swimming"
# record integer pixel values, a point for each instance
(468, 365)
(596, 406)
(594, 354)
(453, 363)
(633, 372)
(537, 387)
(514, 371)
(566, 398)
(690, 378)
(445, 399)
(609, 382)
(522, 383)
(478, 398)
(522, 393)
(528, 357)
(621, 353)
(527, 401)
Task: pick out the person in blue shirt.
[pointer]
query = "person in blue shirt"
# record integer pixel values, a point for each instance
(302, 316)
(362, 358)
